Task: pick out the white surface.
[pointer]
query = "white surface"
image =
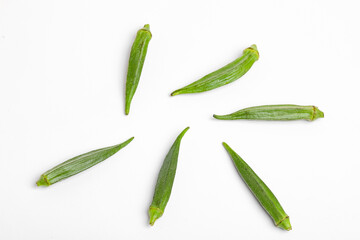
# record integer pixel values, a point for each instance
(62, 73)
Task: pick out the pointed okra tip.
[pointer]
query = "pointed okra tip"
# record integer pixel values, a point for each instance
(228, 149)
(220, 117)
(154, 214)
(225, 145)
(176, 92)
(127, 107)
(317, 113)
(185, 130)
(285, 224)
(129, 140)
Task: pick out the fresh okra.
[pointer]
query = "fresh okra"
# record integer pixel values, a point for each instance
(79, 164)
(263, 194)
(275, 112)
(165, 180)
(224, 75)
(136, 62)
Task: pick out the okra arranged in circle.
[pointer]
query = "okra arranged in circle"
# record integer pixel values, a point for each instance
(78, 164)
(165, 180)
(224, 75)
(136, 63)
(263, 194)
(275, 112)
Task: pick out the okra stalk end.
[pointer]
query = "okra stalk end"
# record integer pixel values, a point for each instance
(154, 213)
(285, 224)
(43, 181)
(253, 48)
(317, 114)
(146, 27)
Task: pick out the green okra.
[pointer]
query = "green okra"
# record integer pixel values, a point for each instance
(263, 194)
(78, 164)
(275, 112)
(136, 63)
(224, 75)
(165, 180)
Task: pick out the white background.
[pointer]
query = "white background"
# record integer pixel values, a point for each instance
(63, 67)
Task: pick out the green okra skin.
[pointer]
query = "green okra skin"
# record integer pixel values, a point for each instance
(136, 63)
(224, 75)
(275, 112)
(263, 194)
(78, 164)
(165, 180)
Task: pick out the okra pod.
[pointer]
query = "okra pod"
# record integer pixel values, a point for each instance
(78, 164)
(275, 112)
(263, 194)
(224, 75)
(136, 63)
(165, 180)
